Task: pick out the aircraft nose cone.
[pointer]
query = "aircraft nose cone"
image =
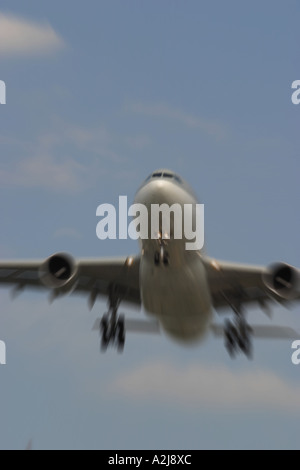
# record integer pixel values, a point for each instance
(156, 192)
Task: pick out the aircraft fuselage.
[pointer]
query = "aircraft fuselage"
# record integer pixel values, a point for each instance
(175, 288)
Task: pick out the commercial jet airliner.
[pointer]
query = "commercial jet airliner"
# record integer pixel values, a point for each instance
(178, 288)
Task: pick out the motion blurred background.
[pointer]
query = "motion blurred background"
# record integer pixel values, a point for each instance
(99, 94)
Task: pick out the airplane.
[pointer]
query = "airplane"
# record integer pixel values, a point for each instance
(178, 288)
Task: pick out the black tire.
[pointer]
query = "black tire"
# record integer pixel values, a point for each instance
(103, 323)
(230, 338)
(166, 259)
(104, 341)
(246, 348)
(121, 333)
(104, 333)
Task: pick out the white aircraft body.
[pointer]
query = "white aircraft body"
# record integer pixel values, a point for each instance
(179, 288)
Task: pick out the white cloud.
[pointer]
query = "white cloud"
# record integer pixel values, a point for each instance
(68, 158)
(208, 126)
(97, 140)
(44, 171)
(19, 36)
(44, 163)
(212, 386)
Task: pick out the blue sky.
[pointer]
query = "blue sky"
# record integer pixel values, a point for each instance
(99, 95)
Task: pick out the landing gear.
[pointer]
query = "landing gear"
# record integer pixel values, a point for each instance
(112, 326)
(237, 336)
(156, 258)
(161, 256)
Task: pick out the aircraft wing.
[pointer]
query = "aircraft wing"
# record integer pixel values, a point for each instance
(234, 284)
(62, 274)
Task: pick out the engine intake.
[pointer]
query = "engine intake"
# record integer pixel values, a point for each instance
(59, 272)
(284, 280)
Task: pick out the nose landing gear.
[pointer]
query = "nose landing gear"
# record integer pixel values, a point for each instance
(161, 256)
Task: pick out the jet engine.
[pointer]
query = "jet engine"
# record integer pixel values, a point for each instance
(283, 280)
(59, 272)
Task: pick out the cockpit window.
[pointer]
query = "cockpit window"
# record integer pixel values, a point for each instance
(164, 174)
(179, 180)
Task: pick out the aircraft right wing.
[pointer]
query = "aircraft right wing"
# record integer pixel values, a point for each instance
(62, 274)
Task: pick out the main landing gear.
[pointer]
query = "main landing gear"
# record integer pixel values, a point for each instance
(237, 335)
(112, 326)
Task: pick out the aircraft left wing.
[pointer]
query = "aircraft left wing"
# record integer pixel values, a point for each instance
(60, 273)
(234, 284)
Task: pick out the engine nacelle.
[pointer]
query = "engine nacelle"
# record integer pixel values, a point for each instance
(283, 280)
(59, 272)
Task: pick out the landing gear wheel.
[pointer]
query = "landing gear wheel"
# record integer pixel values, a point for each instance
(112, 326)
(237, 337)
(246, 347)
(121, 333)
(112, 333)
(161, 257)
(156, 258)
(166, 259)
(230, 334)
(105, 337)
